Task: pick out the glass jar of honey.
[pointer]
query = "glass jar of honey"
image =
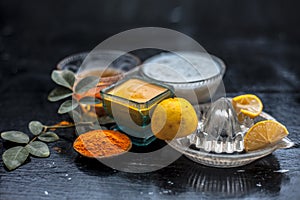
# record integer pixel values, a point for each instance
(130, 103)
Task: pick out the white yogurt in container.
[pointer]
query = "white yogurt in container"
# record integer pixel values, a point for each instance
(194, 76)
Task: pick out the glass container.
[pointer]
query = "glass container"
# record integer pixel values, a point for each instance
(194, 76)
(130, 103)
(110, 65)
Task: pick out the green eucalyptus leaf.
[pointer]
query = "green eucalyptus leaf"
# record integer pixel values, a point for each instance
(86, 83)
(64, 78)
(89, 100)
(35, 127)
(67, 106)
(15, 136)
(48, 137)
(59, 93)
(14, 157)
(37, 148)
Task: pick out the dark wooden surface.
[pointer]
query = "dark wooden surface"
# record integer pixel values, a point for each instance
(258, 40)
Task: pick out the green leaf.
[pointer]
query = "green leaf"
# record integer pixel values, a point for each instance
(67, 106)
(59, 93)
(89, 100)
(14, 157)
(48, 137)
(64, 78)
(15, 136)
(35, 127)
(37, 148)
(86, 83)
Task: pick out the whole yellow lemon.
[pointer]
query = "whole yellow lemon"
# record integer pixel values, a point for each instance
(173, 118)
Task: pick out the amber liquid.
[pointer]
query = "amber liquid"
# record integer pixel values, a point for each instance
(104, 73)
(107, 77)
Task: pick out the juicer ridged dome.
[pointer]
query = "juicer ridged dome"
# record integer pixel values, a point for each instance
(221, 120)
(220, 130)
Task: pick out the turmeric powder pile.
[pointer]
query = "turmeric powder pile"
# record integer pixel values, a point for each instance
(102, 143)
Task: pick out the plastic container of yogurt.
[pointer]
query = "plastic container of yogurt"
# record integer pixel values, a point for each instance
(194, 76)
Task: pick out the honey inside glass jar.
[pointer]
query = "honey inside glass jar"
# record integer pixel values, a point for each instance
(130, 104)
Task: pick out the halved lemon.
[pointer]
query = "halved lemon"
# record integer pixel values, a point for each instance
(264, 133)
(247, 104)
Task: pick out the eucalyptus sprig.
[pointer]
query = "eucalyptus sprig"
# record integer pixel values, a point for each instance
(36, 146)
(16, 156)
(42, 134)
(66, 81)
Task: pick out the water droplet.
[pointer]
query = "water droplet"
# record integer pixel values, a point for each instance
(46, 193)
(69, 179)
(282, 170)
(67, 175)
(170, 182)
(258, 184)
(150, 193)
(51, 165)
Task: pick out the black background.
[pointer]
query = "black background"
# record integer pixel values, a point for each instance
(258, 40)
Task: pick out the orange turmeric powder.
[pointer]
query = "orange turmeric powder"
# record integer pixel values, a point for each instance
(102, 143)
